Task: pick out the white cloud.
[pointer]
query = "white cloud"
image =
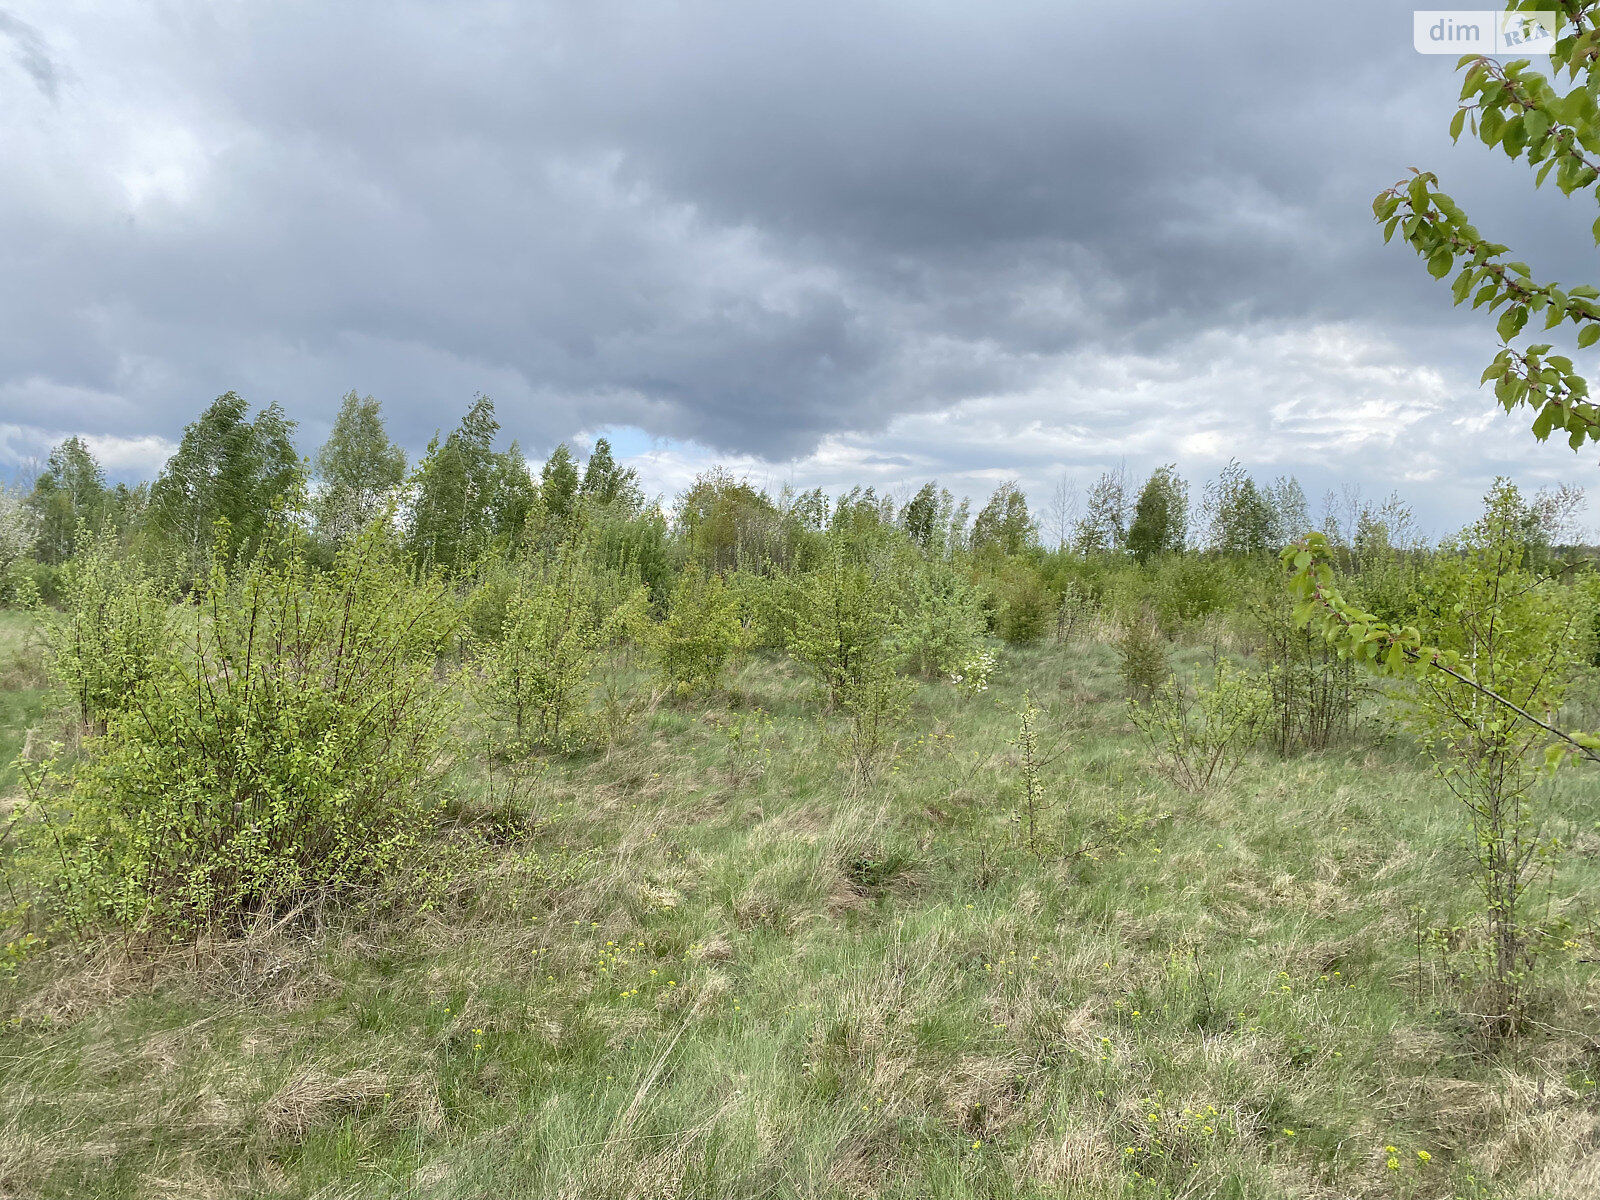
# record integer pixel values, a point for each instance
(1335, 402)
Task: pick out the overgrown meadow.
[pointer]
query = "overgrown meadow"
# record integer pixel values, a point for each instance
(476, 829)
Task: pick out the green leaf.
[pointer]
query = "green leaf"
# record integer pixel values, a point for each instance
(1511, 323)
(1588, 335)
(1457, 122)
(1439, 265)
(1515, 137)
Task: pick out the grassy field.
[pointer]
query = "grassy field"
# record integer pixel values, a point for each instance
(707, 963)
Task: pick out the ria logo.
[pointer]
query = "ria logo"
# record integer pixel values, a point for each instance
(1483, 31)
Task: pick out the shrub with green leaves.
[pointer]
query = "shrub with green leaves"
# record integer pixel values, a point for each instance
(1198, 738)
(116, 626)
(1521, 633)
(280, 748)
(483, 615)
(702, 632)
(1025, 606)
(1142, 651)
(1314, 688)
(539, 674)
(939, 626)
(1184, 588)
(876, 700)
(842, 621)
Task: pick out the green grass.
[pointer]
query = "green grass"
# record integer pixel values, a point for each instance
(695, 970)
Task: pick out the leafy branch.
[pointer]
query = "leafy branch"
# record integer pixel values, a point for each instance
(1393, 650)
(1523, 113)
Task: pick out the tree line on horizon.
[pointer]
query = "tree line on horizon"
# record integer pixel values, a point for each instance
(235, 473)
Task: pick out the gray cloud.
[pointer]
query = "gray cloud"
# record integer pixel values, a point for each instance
(756, 227)
(30, 53)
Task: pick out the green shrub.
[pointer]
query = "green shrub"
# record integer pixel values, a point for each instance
(842, 629)
(116, 627)
(765, 612)
(939, 626)
(1025, 606)
(483, 616)
(691, 648)
(1183, 588)
(876, 700)
(1201, 739)
(1521, 633)
(1073, 612)
(539, 675)
(1142, 654)
(1314, 690)
(840, 621)
(282, 749)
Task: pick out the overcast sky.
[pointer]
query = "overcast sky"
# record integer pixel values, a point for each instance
(826, 242)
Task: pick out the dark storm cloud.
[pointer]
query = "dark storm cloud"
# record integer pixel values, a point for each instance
(753, 226)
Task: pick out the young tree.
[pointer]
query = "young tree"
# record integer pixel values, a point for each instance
(1483, 605)
(1291, 515)
(454, 493)
(230, 468)
(538, 675)
(515, 497)
(607, 483)
(728, 523)
(1160, 516)
(559, 484)
(807, 512)
(919, 518)
(1003, 525)
(71, 493)
(1065, 505)
(939, 623)
(956, 530)
(1238, 515)
(842, 627)
(357, 470)
(691, 648)
(1104, 524)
